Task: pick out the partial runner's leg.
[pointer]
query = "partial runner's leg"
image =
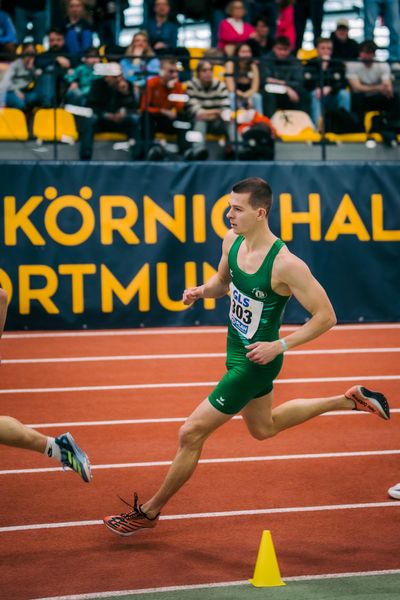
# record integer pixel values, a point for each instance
(13, 433)
(201, 423)
(263, 421)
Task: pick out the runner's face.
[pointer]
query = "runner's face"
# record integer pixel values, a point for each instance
(242, 216)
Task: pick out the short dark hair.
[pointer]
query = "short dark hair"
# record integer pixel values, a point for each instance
(368, 46)
(323, 40)
(260, 192)
(201, 64)
(56, 30)
(282, 40)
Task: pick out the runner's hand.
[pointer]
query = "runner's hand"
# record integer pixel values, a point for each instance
(192, 294)
(262, 353)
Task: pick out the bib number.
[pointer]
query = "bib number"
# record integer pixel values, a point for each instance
(245, 313)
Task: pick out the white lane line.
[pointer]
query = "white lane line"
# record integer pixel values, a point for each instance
(347, 413)
(212, 585)
(182, 331)
(214, 515)
(73, 359)
(191, 384)
(114, 358)
(118, 332)
(214, 461)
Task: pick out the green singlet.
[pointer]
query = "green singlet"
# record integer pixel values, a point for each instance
(255, 315)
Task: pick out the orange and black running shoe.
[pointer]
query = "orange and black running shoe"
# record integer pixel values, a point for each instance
(368, 401)
(129, 523)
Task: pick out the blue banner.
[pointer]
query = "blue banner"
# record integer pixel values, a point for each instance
(114, 245)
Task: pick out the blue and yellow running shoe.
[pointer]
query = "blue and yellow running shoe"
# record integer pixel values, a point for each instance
(72, 457)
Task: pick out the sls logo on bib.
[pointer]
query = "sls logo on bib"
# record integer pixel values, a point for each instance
(259, 293)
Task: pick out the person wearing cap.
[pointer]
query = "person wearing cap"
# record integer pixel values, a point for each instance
(390, 11)
(344, 48)
(114, 110)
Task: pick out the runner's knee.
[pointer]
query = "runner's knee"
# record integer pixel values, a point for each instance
(262, 432)
(191, 435)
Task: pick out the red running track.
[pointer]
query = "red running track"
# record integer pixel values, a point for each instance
(320, 488)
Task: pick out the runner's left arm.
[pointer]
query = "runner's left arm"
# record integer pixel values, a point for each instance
(296, 278)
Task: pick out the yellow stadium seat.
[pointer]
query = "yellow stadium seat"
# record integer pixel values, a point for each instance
(110, 136)
(303, 54)
(353, 138)
(13, 125)
(39, 48)
(196, 54)
(368, 119)
(48, 126)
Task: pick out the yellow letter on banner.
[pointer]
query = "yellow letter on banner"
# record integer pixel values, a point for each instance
(139, 284)
(86, 212)
(199, 221)
(354, 225)
(123, 224)
(19, 219)
(379, 234)
(154, 214)
(43, 294)
(217, 215)
(288, 217)
(77, 272)
(162, 285)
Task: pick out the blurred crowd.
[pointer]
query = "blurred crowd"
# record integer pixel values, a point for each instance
(255, 67)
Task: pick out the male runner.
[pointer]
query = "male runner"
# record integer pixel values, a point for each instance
(261, 275)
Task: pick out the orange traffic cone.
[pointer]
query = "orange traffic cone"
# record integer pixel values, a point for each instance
(266, 571)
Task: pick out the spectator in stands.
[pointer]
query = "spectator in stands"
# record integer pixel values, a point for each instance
(234, 29)
(159, 111)
(371, 83)
(140, 61)
(243, 80)
(326, 80)
(81, 78)
(344, 48)
(208, 99)
(114, 109)
(163, 33)
(304, 10)
(21, 79)
(282, 79)
(8, 36)
(390, 11)
(30, 11)
(285, 23)
(51, 67)
(262, 41)
(77, 30)
(264, 9)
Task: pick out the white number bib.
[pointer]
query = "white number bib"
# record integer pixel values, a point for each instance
(245, 313)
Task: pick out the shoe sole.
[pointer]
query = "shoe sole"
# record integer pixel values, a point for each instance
(83, 459)
(394, 492)
(374, 402)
